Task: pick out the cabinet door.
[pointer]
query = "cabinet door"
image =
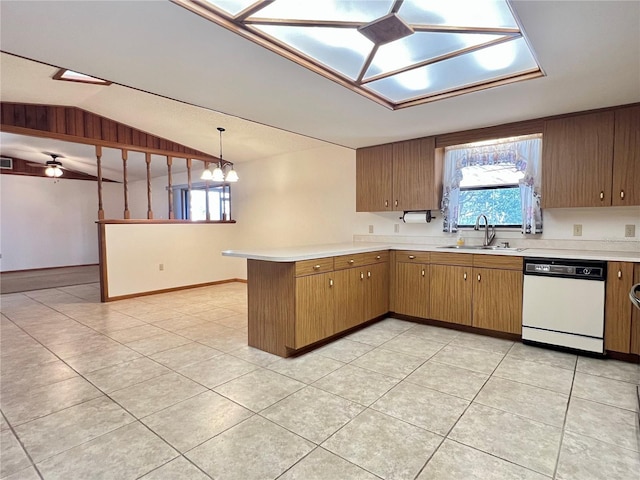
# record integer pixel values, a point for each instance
(450, 293)
(376, 293)
(635, 316)
(374, 168)
(577, 161)
(412, 289)
(497, 300)
(349, 288)
(626, 157)
(414, 182)
(617, 310)
(314, 309)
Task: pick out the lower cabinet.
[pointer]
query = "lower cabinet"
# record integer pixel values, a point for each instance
(635, 317)
(620, 323)
(451, 293)
(315, 307)
(411, 292)
(497, 300)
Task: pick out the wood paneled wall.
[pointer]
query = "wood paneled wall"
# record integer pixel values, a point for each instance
(77, 125)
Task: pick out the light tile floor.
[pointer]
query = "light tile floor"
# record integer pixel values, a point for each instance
(165, 387)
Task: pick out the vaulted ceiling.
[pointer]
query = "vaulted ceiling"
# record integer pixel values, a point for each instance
(205, 76)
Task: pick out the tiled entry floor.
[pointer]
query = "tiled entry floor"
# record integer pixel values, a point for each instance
(164, 387)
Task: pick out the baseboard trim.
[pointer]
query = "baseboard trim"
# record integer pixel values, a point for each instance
(50, 268)
(173, 289)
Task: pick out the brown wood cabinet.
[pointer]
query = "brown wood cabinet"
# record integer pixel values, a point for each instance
(314, 316)
(577, 156)
(398, 177)
(618, 308)
(411, 289)
(626, 157)
(497, 300)
(451, 293)
(374, 174)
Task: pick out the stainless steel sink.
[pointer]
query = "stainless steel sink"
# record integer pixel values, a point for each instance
(482, 247)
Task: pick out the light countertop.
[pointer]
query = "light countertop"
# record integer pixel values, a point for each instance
(294, 254)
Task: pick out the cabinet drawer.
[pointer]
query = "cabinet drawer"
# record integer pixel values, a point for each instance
(360, 259)
(411, 256)
(504, 262)
(461, 259)
(316, 265)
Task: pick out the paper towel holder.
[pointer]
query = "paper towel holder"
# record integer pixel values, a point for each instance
(427, 214)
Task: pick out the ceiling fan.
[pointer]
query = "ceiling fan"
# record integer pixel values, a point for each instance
(53, 167)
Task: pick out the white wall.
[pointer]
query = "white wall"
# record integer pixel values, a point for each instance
(51, 224)
(189, 253)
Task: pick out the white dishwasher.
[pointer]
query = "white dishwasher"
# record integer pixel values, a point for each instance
(563, 303)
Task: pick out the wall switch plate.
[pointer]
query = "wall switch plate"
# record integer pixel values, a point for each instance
(396, 228)
(630, 230)
(370, 228)
(161, 267)
(577, 230)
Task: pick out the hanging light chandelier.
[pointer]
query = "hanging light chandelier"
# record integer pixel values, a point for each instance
(54, 167)
(218, 175)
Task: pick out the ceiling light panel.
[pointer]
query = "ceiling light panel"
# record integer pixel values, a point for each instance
(397, 53)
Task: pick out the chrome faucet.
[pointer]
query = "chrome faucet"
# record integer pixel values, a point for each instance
(488, 238)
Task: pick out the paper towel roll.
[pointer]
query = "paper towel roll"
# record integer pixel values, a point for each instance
(417, 217)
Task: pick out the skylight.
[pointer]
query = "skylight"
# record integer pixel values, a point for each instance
(398, 53)
(71, 76)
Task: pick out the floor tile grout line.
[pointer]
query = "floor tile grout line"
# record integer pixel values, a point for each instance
(564, 425)
(24, 449)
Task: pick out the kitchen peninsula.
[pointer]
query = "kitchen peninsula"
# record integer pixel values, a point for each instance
(301, 296)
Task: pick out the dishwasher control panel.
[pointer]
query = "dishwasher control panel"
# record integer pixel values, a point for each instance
(557, 267)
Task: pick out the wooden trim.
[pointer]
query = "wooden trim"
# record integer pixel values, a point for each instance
(171, 216)
(301, 23)
(149, 210)
(251, 9)
(99, 165)
(102, 258)
(172, 289)
(144, 221)
(49, 268)
(127, 213)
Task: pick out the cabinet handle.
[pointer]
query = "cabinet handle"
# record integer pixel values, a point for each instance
(411, 257)
(478, 277)
(331, 282)
(316, 267)
(378, 257)
(423, 272)
(368, 274)
(361, 276)
(622, 194)
(601, 195)
(619, 273)
(350, 262)
(396, 203)
(465, 276)
(386, 203)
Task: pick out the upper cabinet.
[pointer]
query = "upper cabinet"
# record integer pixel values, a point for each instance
(397, 177)
(592, 160)
(626, 157)
(577, 157)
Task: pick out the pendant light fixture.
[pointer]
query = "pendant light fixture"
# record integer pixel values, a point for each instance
(217, 175)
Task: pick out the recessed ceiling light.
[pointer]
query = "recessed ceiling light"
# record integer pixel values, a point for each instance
(71, 76)
(398, 53)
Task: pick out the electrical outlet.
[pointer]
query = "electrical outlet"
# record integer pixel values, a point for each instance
(396, 228)
(630, 230)
(370, 228)
(577, 230)
(161, 267)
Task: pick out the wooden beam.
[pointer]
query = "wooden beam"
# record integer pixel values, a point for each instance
(127, 213)
(149, 210)
(99, 163)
